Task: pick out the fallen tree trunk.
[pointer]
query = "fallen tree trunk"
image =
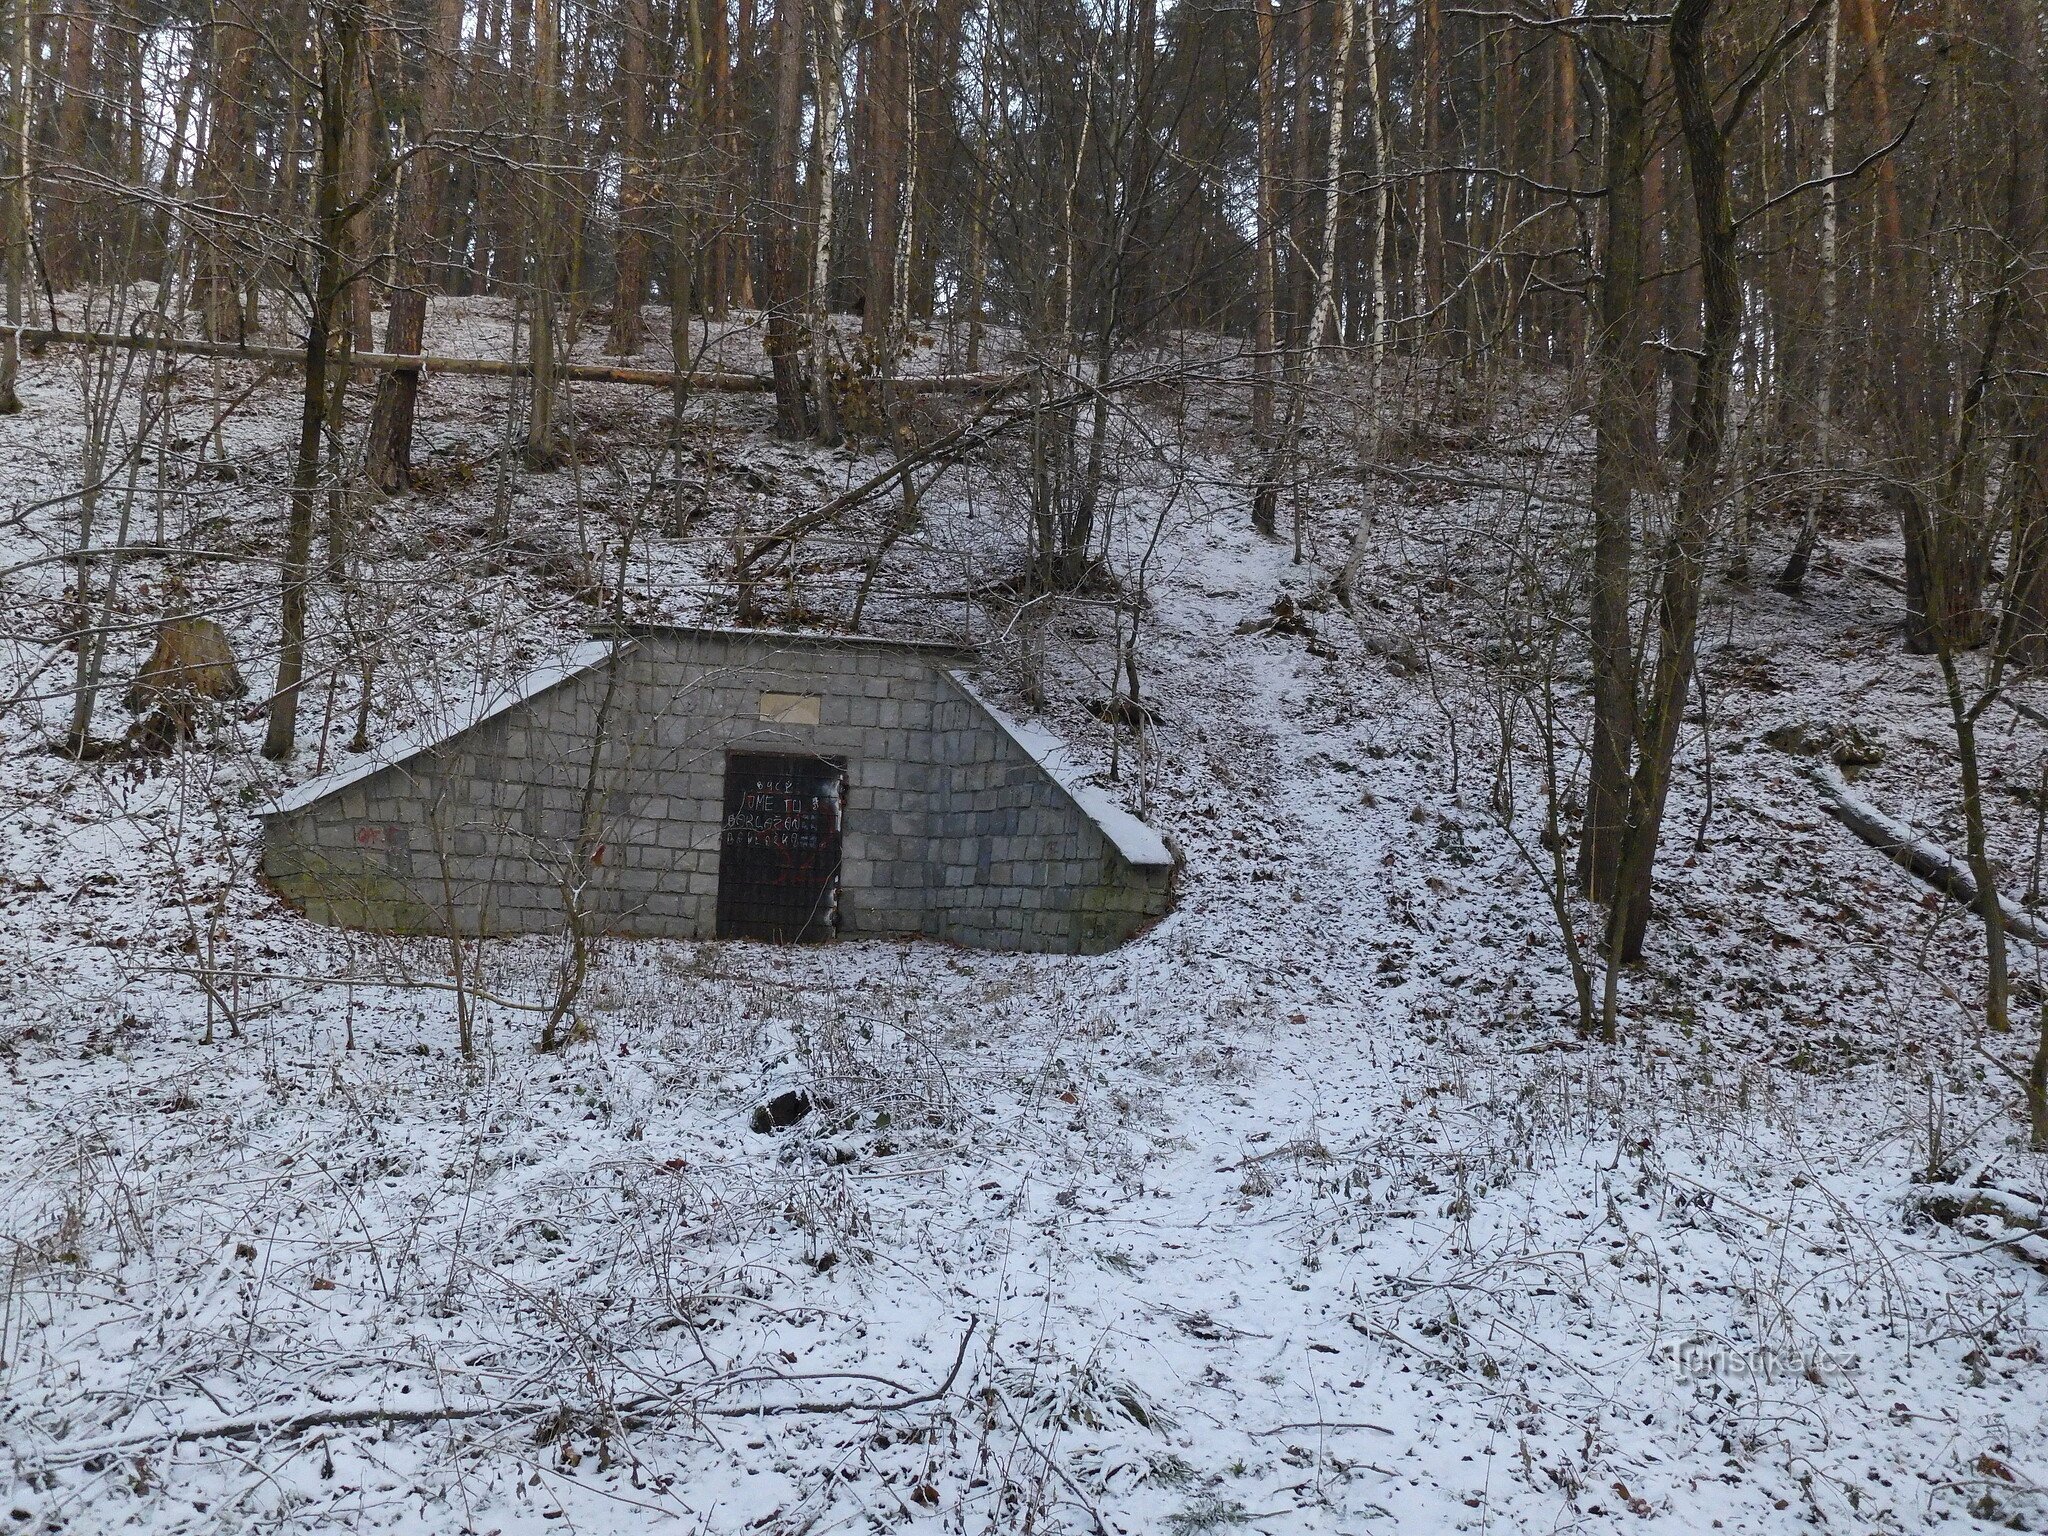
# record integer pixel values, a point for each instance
(1911, 851)
(2000, 1218)
(475, 367)
(2024, 710)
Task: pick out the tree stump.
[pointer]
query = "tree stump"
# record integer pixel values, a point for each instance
(192, 665)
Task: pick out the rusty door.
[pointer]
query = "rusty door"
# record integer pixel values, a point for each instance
(778, 854)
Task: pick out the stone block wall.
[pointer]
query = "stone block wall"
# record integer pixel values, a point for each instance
(956, 825)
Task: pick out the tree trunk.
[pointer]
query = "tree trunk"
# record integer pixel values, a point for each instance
(980, 200)
(219, 285)
(388, 451)
(174, 158)
(1705, 142)
(884, 91)
(1885, 270)
(1301, 196)
(361, 131)
(932, 133)
(1266, 341)
(629, 286)
(723, 259)
(1375, 317)
(543, 435)
(1793, 578)
(894, 337)
(1947, 548)
(64, 241)
(1658, 258)
(1618, 430)
(686, 229)
(1429, 219)
(16, 212)
(2028, 620)
(1571, 311)
(1383, 195)
(1990, 905)
(827, 66)
(2028, 465)
(339, 50)
(1278, 465)
(778, 226)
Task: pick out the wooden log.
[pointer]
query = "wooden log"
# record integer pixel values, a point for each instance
(713, 381)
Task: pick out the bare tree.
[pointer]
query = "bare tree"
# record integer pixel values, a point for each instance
(827, 66)
(388, 455)
(1620, 412)
(778, 225)
(338, 41)
(15, 198)
(1315, 320)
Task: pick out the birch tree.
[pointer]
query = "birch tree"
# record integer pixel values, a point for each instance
(1278, 465)
(828, 67)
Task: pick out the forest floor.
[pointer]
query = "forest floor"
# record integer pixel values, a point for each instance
(1307, 1211)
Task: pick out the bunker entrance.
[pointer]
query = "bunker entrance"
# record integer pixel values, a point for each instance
(778, 852)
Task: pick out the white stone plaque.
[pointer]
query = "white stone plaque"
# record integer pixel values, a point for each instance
(789, 708)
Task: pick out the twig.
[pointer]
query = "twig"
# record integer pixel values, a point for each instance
(846, 1405)
(1281, 1429)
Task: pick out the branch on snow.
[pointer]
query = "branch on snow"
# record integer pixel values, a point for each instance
(341, 1416)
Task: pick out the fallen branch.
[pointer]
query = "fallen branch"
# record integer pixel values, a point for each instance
(477, 367)
(1288, 1429)
(1059, 1470)
(844, 1405)
(943, 449)
(1867, 572)
(288, 1425)
(1920, 855)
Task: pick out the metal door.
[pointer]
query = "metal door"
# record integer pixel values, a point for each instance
(778, 854)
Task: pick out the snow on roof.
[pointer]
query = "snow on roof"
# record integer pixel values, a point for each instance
(410, 744)
(799, 637)
(1138, 843)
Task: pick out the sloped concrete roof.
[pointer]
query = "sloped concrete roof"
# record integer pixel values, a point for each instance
(410, 744)
(1138, 843)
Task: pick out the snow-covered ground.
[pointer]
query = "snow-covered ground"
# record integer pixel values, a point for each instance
(1306, 1212)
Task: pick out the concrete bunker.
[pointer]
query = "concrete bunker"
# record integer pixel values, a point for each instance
(699, 783)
